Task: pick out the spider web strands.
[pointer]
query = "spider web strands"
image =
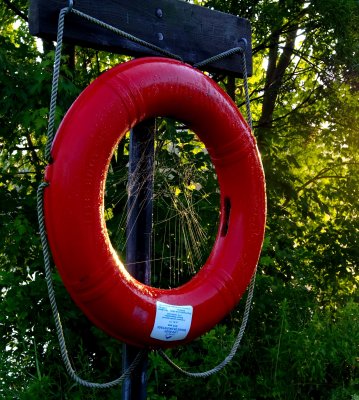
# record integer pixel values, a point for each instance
(180, 240)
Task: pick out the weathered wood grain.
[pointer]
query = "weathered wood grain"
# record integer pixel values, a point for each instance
(194, 33)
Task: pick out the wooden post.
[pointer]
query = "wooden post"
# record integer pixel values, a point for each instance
(139, 230)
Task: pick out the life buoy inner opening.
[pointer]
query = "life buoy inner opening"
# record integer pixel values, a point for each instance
(186, 203)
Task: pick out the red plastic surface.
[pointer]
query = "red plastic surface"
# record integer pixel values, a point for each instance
(74, 200)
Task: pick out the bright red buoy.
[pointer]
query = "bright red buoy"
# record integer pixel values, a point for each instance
(98, 282)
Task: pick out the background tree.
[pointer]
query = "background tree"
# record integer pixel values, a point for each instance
(303, 333)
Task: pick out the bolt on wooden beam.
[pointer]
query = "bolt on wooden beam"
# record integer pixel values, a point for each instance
(193, 32)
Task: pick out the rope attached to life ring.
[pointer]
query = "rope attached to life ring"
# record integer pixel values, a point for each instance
(45, 246)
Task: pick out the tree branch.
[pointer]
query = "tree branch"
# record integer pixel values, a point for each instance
(320, 175)
(274, 80)
(16, 10)
(298, 107)
(34, 157)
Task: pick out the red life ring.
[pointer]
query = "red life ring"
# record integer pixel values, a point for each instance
(74, 203)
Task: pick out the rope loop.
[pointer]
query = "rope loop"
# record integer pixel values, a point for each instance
(227, 53)
(70, 6)
(233, 350)
(55, 312)
(245, 43)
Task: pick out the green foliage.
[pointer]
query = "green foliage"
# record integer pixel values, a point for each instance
(302, 339)
(282, 357)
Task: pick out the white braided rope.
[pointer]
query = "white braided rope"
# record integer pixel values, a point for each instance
(55, 312)
(233, 350)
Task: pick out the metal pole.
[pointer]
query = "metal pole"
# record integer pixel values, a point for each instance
(138, 232)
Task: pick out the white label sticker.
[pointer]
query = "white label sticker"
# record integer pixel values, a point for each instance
(171, 322)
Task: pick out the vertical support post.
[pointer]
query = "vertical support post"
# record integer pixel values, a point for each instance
(138, 233)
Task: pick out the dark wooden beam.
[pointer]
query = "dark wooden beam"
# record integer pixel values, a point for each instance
(194, 33)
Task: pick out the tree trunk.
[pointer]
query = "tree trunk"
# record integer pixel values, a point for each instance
(277, 65)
